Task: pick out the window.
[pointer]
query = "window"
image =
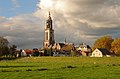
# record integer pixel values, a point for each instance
(46, 34)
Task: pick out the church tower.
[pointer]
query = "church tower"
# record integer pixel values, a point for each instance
(48, 33)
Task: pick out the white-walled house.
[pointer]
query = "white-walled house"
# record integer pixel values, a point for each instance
(23, 53)
(85, 49)
(100, 52)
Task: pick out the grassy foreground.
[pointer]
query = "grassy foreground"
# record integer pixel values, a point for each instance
(61, 68)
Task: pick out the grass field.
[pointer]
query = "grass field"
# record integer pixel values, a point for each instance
(60, 68)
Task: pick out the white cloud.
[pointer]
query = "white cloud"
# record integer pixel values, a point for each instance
(76, 20)
(84, 19)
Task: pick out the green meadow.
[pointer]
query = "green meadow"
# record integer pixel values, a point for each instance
(60, 68)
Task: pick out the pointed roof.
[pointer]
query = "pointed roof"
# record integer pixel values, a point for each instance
(104, 51)
(49, 13)
(49, 18)
(61, 44)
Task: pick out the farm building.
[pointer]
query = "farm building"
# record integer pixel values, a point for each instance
(100, 52)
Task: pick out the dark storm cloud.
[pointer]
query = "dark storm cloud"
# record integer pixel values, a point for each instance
(26, 31)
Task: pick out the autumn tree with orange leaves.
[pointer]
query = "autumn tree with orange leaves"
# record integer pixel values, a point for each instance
(115, 46)
(103, 42)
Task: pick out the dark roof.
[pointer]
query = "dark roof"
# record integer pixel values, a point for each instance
(61, 44)
(88, 46)
(104, 51)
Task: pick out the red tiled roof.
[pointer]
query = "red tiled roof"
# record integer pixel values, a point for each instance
(28, 51)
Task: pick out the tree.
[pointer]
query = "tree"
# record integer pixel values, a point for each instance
(48, 52)
(115, 46)
(103, 42)
(12, 50)
(35, 52)
(4, 50)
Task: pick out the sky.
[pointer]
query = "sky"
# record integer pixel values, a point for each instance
(22, 22)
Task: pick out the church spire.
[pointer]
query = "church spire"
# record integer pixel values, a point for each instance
(49, 13)
(49, 22)
(50, 16)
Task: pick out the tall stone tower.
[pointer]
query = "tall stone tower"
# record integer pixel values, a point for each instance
(48, 33)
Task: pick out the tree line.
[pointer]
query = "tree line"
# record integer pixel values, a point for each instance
(108, 43)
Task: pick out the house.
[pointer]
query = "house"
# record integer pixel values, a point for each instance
(26, 52)
(62, 49)
(41, 52)
(23, 53)
(84, 49)
(100, 52)
(58, 46)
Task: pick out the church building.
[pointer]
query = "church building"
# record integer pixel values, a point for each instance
(48, 33)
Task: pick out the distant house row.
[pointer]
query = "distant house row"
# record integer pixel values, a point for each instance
(63, 49)
(83, 49)
(27, 52)
(67, 49)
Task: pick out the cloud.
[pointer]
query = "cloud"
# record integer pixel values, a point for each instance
(84, 19)
(24, 30)
(76, 20)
